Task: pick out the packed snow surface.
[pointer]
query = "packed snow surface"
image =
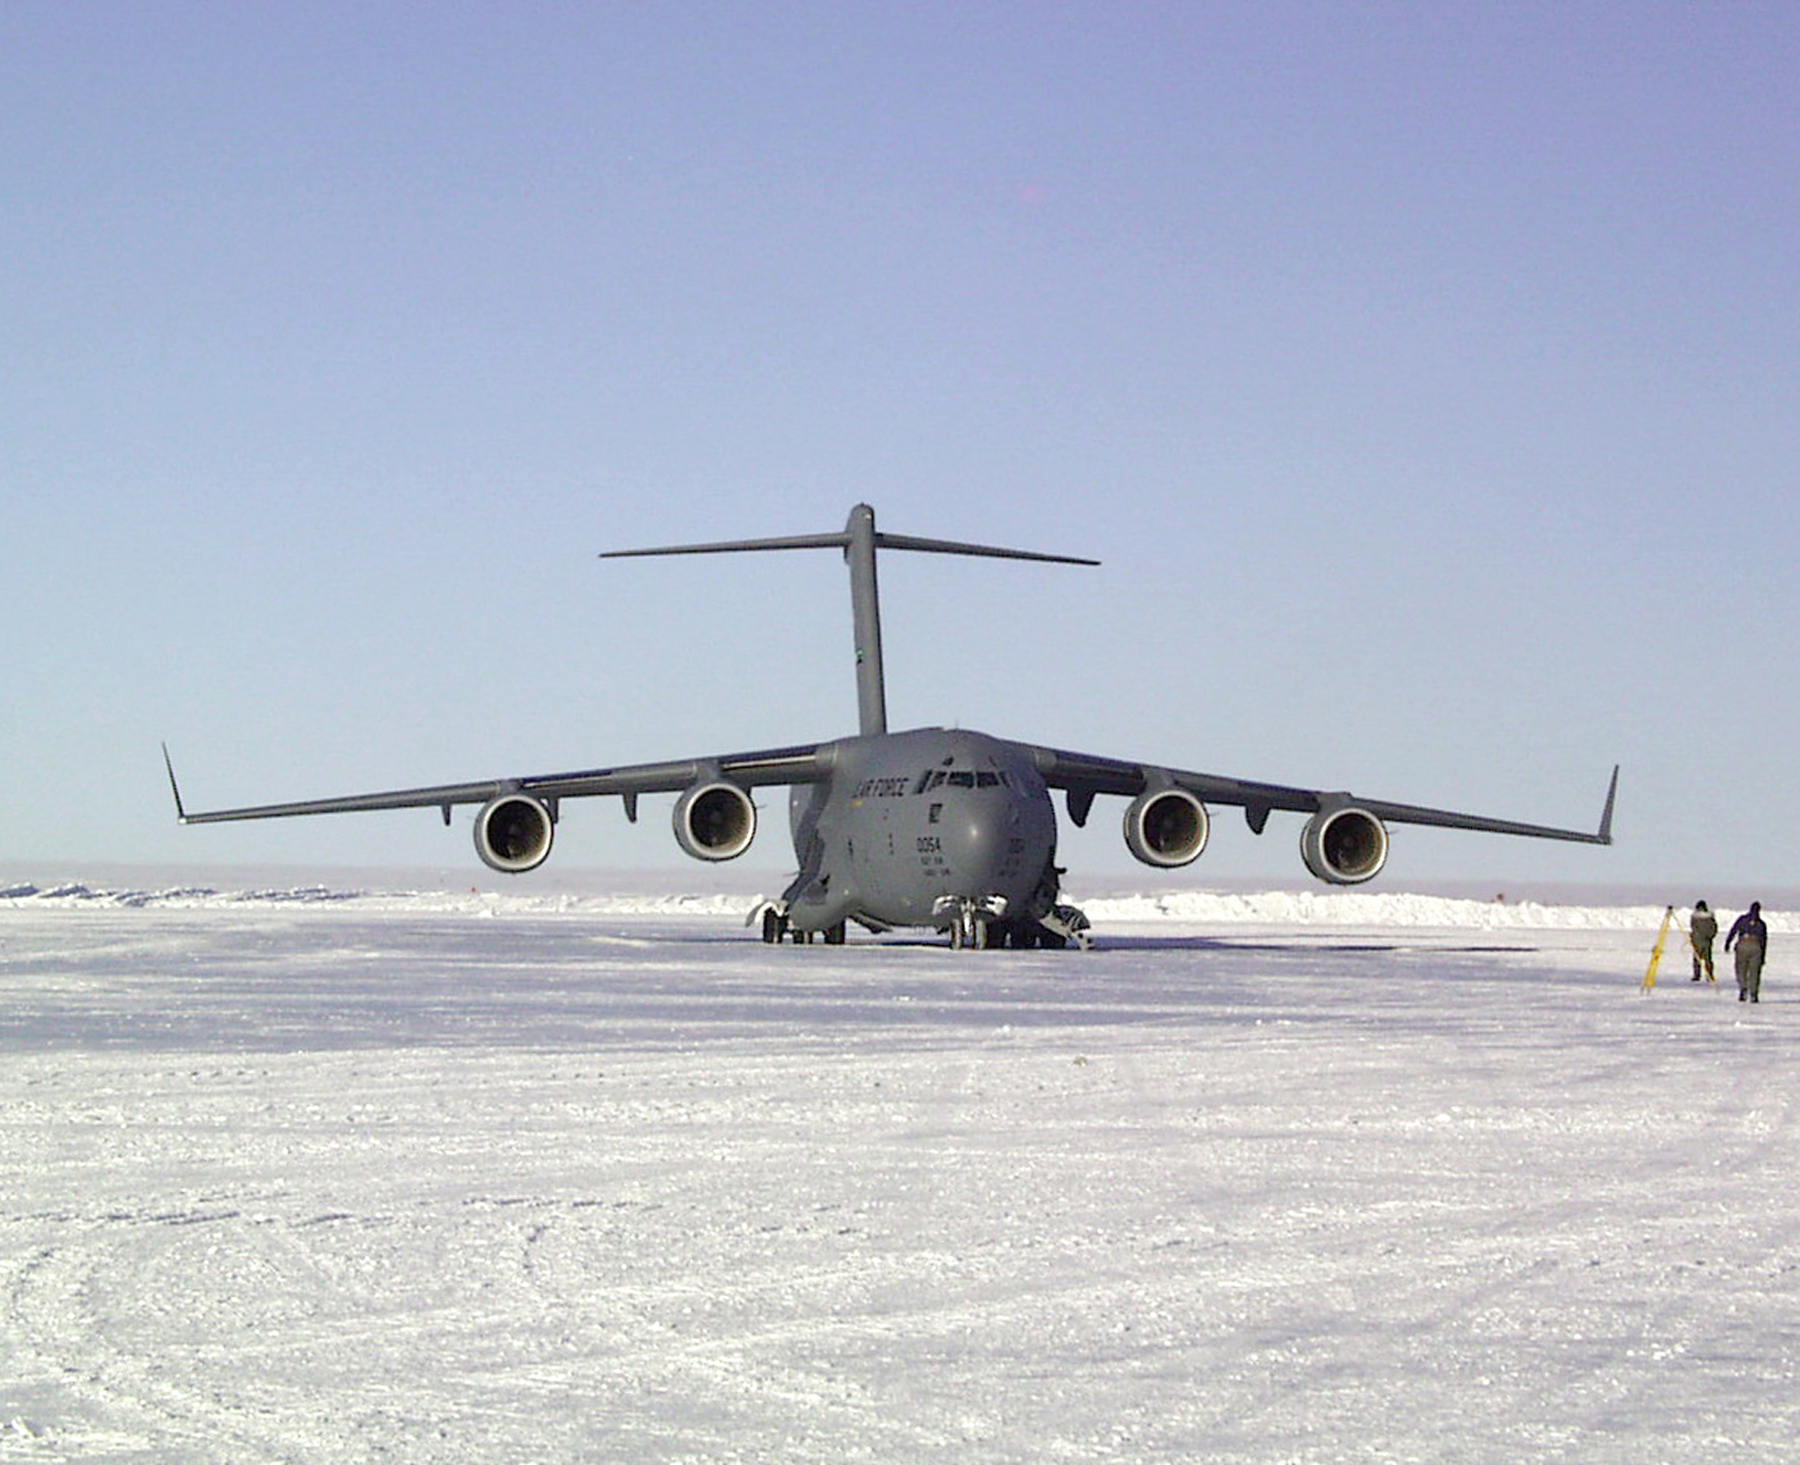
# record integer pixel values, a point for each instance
(322, 1175)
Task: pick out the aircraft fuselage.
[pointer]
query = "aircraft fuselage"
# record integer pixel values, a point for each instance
(942, 828)
(916, 828)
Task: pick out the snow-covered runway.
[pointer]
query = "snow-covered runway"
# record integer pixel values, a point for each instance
(312, 1176)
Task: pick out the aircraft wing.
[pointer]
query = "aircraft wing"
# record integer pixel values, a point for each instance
(1084, 775)
(806, 764)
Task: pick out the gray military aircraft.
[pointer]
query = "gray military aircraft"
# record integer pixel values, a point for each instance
(948, 829)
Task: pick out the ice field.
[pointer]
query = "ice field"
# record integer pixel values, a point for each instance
(323, 1174)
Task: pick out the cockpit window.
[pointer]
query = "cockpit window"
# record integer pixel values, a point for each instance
(938, 777)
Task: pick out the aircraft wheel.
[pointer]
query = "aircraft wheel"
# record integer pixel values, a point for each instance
(772, 924)
(834, 935)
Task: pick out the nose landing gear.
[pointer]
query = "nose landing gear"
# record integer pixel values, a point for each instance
(975, 925)
(971, 922)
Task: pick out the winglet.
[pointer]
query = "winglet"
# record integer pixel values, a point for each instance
(1612, 793)
(174, 787)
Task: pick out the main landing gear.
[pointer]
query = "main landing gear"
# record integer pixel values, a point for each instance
(776, 928)
(971, 926)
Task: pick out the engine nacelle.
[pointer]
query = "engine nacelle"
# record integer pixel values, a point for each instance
(1166, 827)
(715, 821)
(1345, 845)
(513, 833)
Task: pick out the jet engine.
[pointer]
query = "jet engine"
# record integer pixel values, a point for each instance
(715, 821)
(1166, 827)
(513, 833)
(1344, 845)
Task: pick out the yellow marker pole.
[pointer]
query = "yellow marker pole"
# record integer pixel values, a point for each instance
(1662, 937)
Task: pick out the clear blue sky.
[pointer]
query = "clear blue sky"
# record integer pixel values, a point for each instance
(1424, 375)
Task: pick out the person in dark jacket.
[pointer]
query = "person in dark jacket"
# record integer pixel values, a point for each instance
(1751, 937)
(1703, 928)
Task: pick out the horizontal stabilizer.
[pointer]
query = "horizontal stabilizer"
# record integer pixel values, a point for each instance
(859, 541)
(846, 539)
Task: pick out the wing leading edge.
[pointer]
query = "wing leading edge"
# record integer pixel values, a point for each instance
(808, 763)
(1084, 775)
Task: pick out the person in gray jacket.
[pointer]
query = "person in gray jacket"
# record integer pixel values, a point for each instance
(1751, 937)
(1703, 927)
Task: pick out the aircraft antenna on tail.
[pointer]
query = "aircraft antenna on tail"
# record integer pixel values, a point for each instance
(859, 541)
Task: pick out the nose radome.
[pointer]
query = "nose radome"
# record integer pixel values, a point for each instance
(977, 835)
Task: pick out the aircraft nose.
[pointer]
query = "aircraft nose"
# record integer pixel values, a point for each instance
(981, 844)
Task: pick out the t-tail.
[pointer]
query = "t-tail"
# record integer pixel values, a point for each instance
(859, 541)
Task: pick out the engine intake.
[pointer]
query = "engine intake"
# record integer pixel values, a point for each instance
(715, 821)
(1166, 827)
(513, 833)
(1344, 846)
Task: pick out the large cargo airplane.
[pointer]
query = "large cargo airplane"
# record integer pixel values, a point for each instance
(949, 829)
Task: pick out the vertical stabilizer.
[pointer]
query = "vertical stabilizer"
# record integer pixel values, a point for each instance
(865, 621)
(859, 541)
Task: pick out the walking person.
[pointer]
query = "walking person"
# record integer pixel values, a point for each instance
(1702, 928)
(1752, 939)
